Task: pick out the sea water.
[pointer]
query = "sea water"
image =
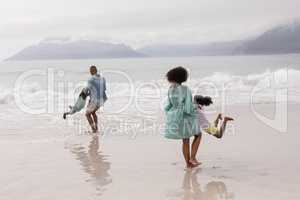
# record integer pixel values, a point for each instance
(137, 87)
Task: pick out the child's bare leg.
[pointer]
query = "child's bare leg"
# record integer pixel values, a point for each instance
(223, 127)
(195, 147)
(222, 130)
(219, 117)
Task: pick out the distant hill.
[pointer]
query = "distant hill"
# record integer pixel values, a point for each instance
(181, 50)
(82, 49)
(279, 40)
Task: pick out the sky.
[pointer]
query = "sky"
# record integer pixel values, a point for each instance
(138, 22)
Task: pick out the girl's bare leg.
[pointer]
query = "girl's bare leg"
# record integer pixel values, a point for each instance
(195, 147)
(219, 117)
(186, 152)
(223, 127)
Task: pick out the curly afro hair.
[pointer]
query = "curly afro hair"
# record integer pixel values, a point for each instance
(177, 75)
(203, 101)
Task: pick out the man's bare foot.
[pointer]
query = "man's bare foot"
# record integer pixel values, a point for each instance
(94, 129)
(194, 161)
(228, 119)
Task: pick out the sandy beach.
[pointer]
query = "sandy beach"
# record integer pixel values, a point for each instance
(53, 161)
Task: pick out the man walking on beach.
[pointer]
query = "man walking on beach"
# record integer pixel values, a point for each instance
(97, 88)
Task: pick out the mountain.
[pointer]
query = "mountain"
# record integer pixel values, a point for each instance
(279, 40)
(82, 49)
(282, 39)
(181, 50)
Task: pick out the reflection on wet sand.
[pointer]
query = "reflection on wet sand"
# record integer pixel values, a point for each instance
(93, 163)
(214, 190)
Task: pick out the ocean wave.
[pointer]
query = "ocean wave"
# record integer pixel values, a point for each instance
(286, 77)
(6, 97)
(238, 88)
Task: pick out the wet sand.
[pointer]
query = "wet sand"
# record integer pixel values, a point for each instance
(52, 161)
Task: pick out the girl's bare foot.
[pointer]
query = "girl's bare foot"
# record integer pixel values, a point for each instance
(219, 136)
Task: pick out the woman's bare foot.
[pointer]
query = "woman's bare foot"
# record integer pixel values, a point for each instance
(190, 165)
(194, 161)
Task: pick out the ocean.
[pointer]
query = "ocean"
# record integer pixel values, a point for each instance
(229, 79)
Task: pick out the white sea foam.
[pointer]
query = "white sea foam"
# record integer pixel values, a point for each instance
(238, 89)
(6, 97)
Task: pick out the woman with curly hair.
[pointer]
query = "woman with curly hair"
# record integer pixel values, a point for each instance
(181, 115)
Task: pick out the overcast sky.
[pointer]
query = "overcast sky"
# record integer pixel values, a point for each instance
(138, 22)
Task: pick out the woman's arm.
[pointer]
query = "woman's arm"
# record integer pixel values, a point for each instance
(168, 105)
(104, 84)
(189, 107)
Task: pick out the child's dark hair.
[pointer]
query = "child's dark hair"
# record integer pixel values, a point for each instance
(203, 101)
(177, 75)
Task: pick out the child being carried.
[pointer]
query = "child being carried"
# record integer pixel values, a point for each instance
(210, 128)
(80, 103)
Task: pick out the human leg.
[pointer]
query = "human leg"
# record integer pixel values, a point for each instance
(195, 147)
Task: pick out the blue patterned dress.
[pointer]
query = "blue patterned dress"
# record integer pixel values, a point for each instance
(181, 113)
